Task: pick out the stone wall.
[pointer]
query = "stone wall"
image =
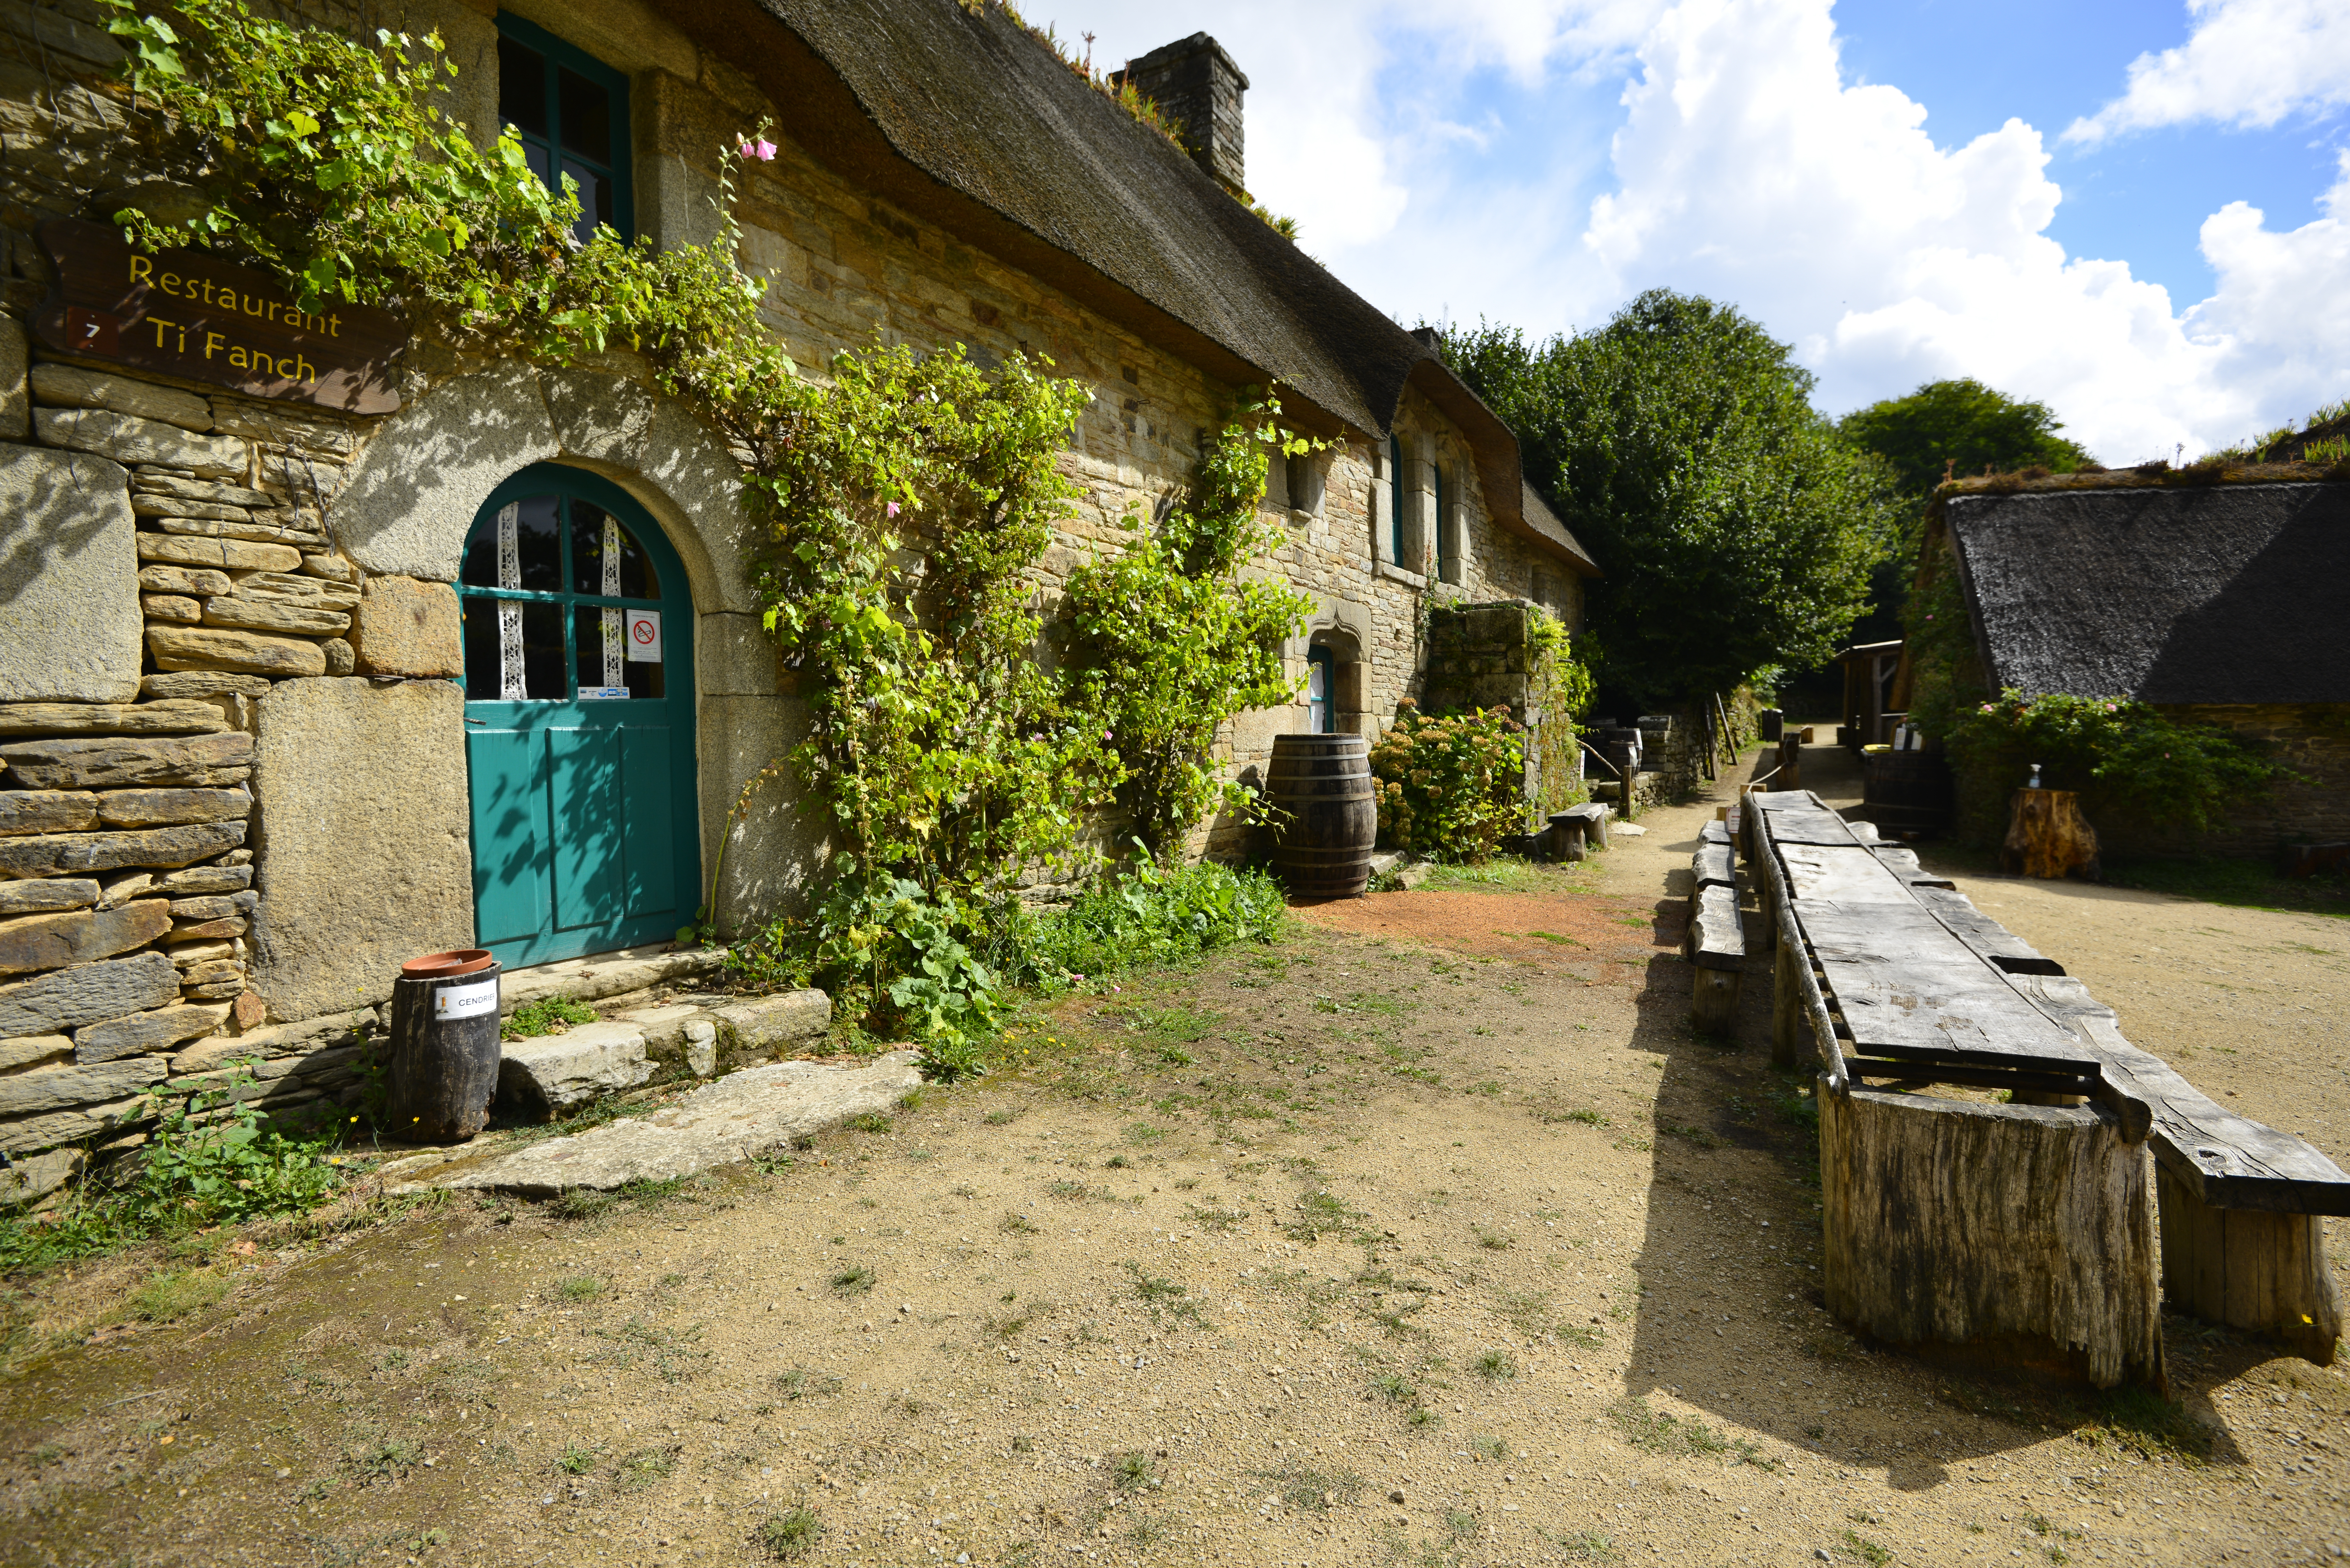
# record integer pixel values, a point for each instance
(1480, 656)
(2313, 806)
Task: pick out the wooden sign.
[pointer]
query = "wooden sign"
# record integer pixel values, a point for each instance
(187, 314)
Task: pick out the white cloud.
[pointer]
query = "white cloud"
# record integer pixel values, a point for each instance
(2246, 63)
(1738, 163)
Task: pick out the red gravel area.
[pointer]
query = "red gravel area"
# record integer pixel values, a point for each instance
(1577, 932)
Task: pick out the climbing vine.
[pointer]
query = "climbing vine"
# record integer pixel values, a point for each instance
(900, 507)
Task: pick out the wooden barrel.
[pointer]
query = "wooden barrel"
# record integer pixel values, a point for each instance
(1907, 790)
(444, 1052)
(1322, 842)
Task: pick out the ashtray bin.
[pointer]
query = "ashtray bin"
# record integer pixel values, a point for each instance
(444, 1046)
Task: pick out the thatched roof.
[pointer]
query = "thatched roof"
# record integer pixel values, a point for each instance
(973, 124)
(2203, 586)
(1544, 521)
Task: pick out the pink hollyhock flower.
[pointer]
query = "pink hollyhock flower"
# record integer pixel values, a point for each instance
(893, 509)
(764, 150)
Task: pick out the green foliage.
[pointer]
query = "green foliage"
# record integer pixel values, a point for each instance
(212, 1160)
(1156, 913)
(2124, 757)
(1173, 643)
(1963, 426)
(789, 1535)
(1450, 786)
(548, 1015)
(1735, 529)
(169, 1296)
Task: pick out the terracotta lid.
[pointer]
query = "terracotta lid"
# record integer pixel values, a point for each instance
(448, 965)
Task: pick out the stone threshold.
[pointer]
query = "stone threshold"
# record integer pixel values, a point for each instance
(615, 973)
(756, 1111)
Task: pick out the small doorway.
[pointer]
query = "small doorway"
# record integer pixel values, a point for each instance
(578, 721)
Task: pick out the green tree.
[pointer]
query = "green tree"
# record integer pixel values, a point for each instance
(1964, 427)
(1960, 427)
(1734, 528)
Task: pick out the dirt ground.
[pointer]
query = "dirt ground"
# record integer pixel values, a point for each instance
(1430, 1236)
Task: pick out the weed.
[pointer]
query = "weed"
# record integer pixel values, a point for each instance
(1024, 1445)
(1313, 1490)
(581, 1203)
(2039, 1525)
(642, 1468)
(1019, 1225)
(1116, 1162)
(1659, 1432)
(1144, 1133)
(376, 1455)
(1421, 1416)
(165, 1297)
(579, 1288)
(799, 1383)
(549, 1015)
(1147, 1532)
(1698, 1136)
(1460, 1523)
(1492, 1449)
(1174, 1057)
(999, 1118)
(853, 1281)
(1002, 1330)
(790, 1534)
(1581, 1114)
(1494, 1240)
(1149, 1288)
(1395, 1389)
(2141, 1421)
(1495, 1366)
(869, 1122)
(1216, 1219)
(1864, 1550)
(1319, 1214)
(1583, 1546)
(1131, 1470)
(671, 1349)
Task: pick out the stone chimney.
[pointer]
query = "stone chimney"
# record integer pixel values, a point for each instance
(1198, 86)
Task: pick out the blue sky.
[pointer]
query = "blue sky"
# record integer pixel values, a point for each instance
(2140, 213)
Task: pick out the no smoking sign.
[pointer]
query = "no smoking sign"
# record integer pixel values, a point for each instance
(644, 636)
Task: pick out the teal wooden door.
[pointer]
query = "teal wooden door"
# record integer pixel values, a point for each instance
(578, 721)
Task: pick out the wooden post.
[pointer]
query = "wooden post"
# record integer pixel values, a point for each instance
(2048, 837)
(1786, 1001)
(2017, 1234)
(2250, 1270)
(1791, 762)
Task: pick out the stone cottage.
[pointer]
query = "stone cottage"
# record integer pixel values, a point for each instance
(321, 648)
(2213, 594)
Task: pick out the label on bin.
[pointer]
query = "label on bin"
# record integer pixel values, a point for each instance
(465, 1001)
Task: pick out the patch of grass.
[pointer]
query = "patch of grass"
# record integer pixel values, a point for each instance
(641, 1467)
(1661, 1432)
(1490, 1448)
(164, 1298)
(1693, 1135)
(579, 1288)
(1217, 1219)
(999, 1118)
(1502, 873)
(1315, 1490)
(1495, 1366)
(1131, 1470)
(374, 1454)
(1018, 1225)
(852, 1282)
(1460, 1523)
(1144, 1133)
(788, 1536)
(1150, 1287)
(1320, 1213)
(2141, 1421)
(581, 1203)
(1583, 1546)
(1582, 1114)
(673, 1350)
(1494, 1240)
(1069, 1191)
(869, 1122)
(1860, 1548)
(548, 1015)
(799, 1383)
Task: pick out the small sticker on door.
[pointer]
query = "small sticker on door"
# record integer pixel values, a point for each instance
(644, 636)
(603, 693)
(465, 1001)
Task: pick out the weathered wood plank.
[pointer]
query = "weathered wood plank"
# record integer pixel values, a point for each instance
(2049, 1241)
(2224, 1159)
(1787, 1003)
(1992, 941)
(1822, 827)
(1717, 938)
(1712, 867)
(1907, 988)
(1715, 833)
(1713, 1000)
(1845, 874)
(2249, 1269)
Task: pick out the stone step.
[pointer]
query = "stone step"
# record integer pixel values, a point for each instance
(756, 1111)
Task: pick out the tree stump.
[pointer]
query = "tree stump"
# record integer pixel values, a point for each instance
(2048, 837)
(2015, 1236)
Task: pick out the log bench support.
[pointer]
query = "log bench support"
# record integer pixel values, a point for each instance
(1991, 1234)
(1717, 948)
(2249, 1269)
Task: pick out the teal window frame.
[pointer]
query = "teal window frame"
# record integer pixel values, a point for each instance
(1323, 716)
(558, 57)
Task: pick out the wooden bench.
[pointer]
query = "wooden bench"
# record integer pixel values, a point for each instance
(1715, 939)
(2042, 1220)
(1576, 830)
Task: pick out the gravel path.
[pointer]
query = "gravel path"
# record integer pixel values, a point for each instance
(1429, 1236)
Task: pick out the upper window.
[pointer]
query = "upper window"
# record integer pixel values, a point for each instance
(572, 113)
(1448, 563)
(1394, 500)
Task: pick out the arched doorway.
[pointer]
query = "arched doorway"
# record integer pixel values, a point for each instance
(578, 721)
